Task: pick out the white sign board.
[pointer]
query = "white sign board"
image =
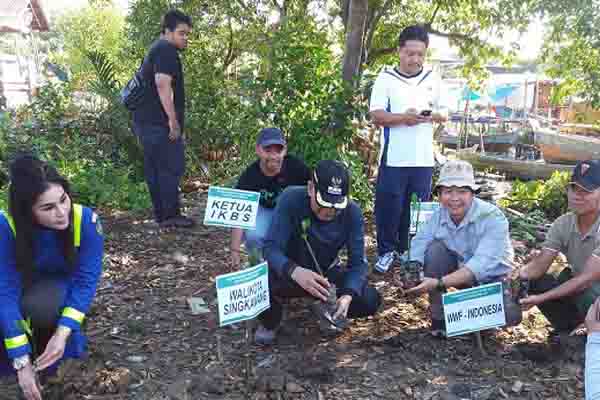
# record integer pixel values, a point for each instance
(474, 309)
(231, 208)
(427, 208)
(243, 295)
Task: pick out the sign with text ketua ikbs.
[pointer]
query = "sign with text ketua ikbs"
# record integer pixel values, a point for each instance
(243, 295)
(474, 309)
(231, 208)
(426, 210)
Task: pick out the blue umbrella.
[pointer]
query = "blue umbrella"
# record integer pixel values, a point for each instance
(468, 94)
(502, 92)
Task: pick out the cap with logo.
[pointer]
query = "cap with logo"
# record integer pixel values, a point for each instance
(332, 184)
(457, 173)
(269, 136)
(587, 175)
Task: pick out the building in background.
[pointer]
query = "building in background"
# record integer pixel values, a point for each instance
(20, 63)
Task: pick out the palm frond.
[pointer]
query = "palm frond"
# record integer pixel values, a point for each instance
(105, 84)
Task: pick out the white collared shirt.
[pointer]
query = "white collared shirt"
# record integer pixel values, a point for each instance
(408, 146)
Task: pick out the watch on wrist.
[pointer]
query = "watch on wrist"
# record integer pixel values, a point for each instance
(291, 270)
(21, 362)
(440, 287)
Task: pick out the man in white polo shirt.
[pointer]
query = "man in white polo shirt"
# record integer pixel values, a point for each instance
(405, 104)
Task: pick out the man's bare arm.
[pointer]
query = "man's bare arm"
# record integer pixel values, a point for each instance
(460, 278)
(577, 284)
(539, 265)
(236, 242)
(384, 118)
(165, 92)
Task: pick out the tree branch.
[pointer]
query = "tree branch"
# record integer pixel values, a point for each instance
(276, 4)
(230, 52)
(246, 7)
(375, 54)
(372, 26)
(437, 8)
(451, 35)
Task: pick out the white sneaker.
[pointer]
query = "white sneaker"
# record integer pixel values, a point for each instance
(384, 262)
(403, 258)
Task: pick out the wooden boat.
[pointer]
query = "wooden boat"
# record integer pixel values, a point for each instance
(522, 169)
(580, 129)
(566, 148)
(497, 143)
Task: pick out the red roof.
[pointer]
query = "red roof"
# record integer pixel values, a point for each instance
(12, 11)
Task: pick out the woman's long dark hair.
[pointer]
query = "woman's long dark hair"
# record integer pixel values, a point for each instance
(29, 178)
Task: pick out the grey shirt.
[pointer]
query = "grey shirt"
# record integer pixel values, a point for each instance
(564, 237)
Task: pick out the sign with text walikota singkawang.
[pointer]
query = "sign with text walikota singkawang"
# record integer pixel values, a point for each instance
(474, 309)
(231, 208)
(243, 295)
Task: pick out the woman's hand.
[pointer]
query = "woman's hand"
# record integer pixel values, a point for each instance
(28, 383)
(54, 349)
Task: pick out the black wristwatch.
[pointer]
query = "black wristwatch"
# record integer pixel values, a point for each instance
(440, 287)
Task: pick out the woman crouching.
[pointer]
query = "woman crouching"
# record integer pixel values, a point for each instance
(50, 264)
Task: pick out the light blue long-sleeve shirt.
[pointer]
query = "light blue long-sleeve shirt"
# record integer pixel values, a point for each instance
(592, 367)
(481, 240)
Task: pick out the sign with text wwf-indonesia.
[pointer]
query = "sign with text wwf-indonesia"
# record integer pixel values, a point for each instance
(474, 309)
(231, 208)
(243, 294)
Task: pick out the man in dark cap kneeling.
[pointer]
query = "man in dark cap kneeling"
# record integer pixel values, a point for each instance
(310, 225)
(564, 298)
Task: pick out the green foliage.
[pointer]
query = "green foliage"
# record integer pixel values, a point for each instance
(96, 28)
(102, 183)
(78, 146)
(548, 196)
(112, 112)
(572, 47)
(527, 229)
(300, 90)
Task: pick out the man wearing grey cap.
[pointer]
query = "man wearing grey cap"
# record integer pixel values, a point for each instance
(465, 243)
(270, 174)
(565, 298)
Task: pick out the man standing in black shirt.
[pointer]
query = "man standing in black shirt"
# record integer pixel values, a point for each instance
(270, 174)
(159, 121)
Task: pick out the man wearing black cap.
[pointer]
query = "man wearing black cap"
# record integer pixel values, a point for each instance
(565, 298)
(310, 226)
(270, 174)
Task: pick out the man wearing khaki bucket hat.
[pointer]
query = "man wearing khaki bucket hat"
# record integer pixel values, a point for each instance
(465, 243)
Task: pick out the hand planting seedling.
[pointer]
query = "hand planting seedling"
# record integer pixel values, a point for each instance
(412, 272)
(325, 311)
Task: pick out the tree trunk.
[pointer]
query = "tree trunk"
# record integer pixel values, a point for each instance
(355, 33)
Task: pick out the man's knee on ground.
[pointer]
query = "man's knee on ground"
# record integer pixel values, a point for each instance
(439, 261)
(368, 304)
(42, 303)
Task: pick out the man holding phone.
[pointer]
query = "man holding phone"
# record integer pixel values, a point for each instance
(404, 103)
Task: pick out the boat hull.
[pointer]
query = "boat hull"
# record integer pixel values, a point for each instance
(521, 169)
(559, 148)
